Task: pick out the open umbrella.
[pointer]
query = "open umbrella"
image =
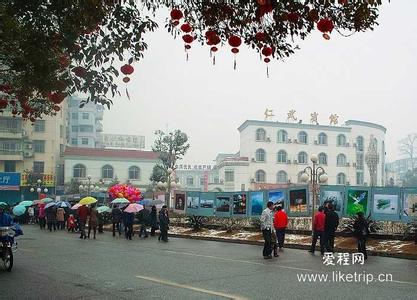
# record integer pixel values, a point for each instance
(63, 204)
(133, 208)
(75, 207)
(19, 210)
(26, 203)
(120, 201)
(103, 209)
(4, 204)
(50, 205)
(47, 200)
(87, 200)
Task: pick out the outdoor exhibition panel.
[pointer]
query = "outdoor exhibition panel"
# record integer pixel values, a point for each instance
(256, 203)
(357, 199)
(334, 194)
(409, 205)
(240, 204)
(192, 203)
(386, 203)
(179, 201)
(206, 206)
(278, 196)
(298, 199)
(223, 204)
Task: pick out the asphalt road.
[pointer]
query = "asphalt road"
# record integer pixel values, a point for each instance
(59, 265)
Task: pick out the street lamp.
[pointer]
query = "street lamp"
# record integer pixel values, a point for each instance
(316, 175)
(38, 188)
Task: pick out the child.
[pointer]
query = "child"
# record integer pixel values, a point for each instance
(71, 223)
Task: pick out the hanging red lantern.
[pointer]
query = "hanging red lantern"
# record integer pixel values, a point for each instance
(210, 33)
(186, 28)
(187, 38)
(214, 49)
(79, 71)
(213, 40)
(127, 69)
(176, 14)
(235, 50)
(325, 26)
(293, 17)
(3, 103)
(56, 108)
(175, 22)
(267, 51)
(313, 15)
(126, 79)
(260, 36)
(267, 59)
(235, 41)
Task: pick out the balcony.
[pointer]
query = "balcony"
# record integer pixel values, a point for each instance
(11, 133)
(11, 155)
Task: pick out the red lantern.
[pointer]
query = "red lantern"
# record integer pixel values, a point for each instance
(293, 17)
(3, 103)
(325, 25)
(126, 79)
(79, 71)
(176, 14)
(235, 41)
(213, 40)
(186, 27)
(260, 36)
(56, 108)
(188, 38)
(235, 50)
(175, 22)
(214, 49)
(267, 60)
(187, 47)
(127, 69)
(313, 15)
(267, 51)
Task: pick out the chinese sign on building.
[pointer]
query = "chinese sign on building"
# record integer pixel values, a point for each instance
(47, 179)
(193, 167)
(9, 181)
(124, 141)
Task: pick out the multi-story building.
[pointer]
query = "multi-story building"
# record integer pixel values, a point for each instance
(84, 124)
(32, 152)
(197, 177)
(397, 170)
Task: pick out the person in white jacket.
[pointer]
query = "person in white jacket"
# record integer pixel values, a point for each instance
(266, 227)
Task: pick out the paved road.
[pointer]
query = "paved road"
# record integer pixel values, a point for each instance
(59, 265)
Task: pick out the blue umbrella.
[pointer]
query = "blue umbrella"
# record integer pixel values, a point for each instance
(19, 210)
(63, 204)
(146, 202)
(50, 205)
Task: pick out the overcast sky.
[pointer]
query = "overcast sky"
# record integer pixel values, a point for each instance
(369, 76)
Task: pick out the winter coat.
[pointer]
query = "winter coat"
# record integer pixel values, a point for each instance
(266, 219)
(143, 217)
(280, 220)
(71, 222)
(82, 212)
(153, 219)
(331, 222)
(163, 219)
(360, 228)
(128, 218)
(42, 211)
(93, 217)
(60, 215)
(116, 215)
(319, 221)
(50, 214)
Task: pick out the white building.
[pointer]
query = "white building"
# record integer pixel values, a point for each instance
(197, 177)
(274, 154)
(397, 170)
(105, 165)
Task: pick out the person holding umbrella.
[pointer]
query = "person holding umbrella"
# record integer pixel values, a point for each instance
(153, 220)
(163, 224)
(50, 213)
(82, 212)
(116, 215)
(60, 217)
(92, 224)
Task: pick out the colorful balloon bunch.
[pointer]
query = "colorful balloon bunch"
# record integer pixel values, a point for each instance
(129, 192)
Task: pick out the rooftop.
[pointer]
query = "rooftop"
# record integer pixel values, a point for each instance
(111, 153)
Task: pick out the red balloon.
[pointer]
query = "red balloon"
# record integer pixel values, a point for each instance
(235, 50)
(186, 27)
(325, 25)
(188, 38)
(176, 14)
(267, 51)
(127, 69)
(234, 41)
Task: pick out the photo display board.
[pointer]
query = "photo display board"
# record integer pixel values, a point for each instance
(409, 205)
(223, 204)
(278, 197)
(256, 200)
(192, 203)
(334, 194)
(298, 202)
(180, 200)
(357, 199)
(240, 204)
(206, 207)
(386, 204)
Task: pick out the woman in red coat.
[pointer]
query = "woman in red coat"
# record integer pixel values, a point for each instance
(280, 224)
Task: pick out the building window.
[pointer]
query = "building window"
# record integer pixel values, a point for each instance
(260, 135)
(38, 167)
(341, 160)
(134, 173)
(216, 180)
(74, 128)
(322, 159)
(107, 172)
(260, 155)
(84, 141)
(341, 178)
(86, 128)
(260, 176)
(282, 136)
(282, 156)
(74, 141)
(322, 139)
(79, 171)
(74, 116)
(229, 176)
(85, 116)
(40, 126)
(359, 161)
(359, 178)
(190, 181)
(9, 166)
(38, 146)
(341, 140)
(299, 177)
(359, 143)
(61, 149)
(201, 181)
(302, 157)
(282, 177)
(302, 137)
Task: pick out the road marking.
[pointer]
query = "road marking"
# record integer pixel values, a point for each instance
(189, 287)
(404, 282)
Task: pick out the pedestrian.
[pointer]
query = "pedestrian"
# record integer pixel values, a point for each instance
(82, 212)
(100, 222)
(318, 231)
(71, 223)
(330, 225)
(116, 215)
(266, 227)
(50, 213)
(143, 218)
(60, 217)
(163, 224)
(280, 224)
(361, 231)
(153, 220)
(128, 219)
(42, 216)
(92, 223)
(31, 212)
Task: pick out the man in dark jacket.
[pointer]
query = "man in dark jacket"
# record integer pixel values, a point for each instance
(163, 224)
(143, 218)
(128, 219)
(153, 220)
(116, 215)
(361, 231)
(50, 213)
(331, 223)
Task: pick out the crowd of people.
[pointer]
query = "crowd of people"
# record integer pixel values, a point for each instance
(274, 222)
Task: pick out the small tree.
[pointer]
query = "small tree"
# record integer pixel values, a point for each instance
(171, 147)
(410, 179)
(158, 174)
(408, 147)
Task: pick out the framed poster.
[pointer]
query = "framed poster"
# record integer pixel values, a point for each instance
(206, 206)
(386, 203)
(223, 204)
(256, 200)
(179, 201)
(192, 203)
(409, 204)
(333, 194)
(278, 197)
(298, 201)
(357, 200)
(239, 204)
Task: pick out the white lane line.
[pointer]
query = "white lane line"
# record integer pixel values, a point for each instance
(246, 262)
(404, 282)
(189, 287)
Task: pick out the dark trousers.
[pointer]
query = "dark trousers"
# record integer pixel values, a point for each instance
(50, 225)
(362, 246)
(316, 235)
(280, 237)
(329, 238)
(116, 225)
(143, 230)
(42, 222)
(94, 231)
(129, 231)
(61, 225)
(100, 228)
(268, 242)
(153, 228)
(82, 228)
(163, 235)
